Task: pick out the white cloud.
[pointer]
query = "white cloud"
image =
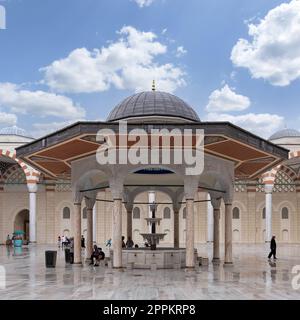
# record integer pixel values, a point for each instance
(41, 129)
(180, 51)
(226, 99)
(38, 102)
(143, 3)
(128, 63)
(263, 124)
(274, 52)
(7, 119)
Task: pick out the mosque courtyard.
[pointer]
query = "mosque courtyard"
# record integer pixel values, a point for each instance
(252, 276)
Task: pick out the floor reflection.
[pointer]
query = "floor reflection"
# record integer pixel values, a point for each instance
(251, 277)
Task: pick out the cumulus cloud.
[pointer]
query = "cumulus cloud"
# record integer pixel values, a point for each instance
(180, 51)
(42, 129)
(226, 99)
(38, 102)
(273, 53)
(143, 3)
(263, 124)
(7, 119)
(129, 63)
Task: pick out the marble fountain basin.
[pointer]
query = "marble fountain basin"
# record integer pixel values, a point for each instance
(161, 258)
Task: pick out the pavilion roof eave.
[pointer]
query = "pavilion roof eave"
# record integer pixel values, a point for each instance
(222, 136)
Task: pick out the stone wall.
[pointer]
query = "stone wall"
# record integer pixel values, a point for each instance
(249, 228)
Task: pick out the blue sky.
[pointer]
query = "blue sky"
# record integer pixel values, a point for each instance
(66, 60)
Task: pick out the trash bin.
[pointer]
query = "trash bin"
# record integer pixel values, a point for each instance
(50, 257)
(71, 257)
(67, 255)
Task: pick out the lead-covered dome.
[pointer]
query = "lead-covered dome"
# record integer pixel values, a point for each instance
(153, 104)
(285, 133)
(14, 130)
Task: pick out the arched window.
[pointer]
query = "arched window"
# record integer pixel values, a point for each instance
(167, 213)
(236, 213)
(66, 232)
(84, 213)
(284, 213)
(264, 213)
(136, 213)
(184, 213)
(66, 213)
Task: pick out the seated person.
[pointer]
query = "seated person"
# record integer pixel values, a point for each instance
(136, 246)
(129, 243)
(123, 243)
(98, 255)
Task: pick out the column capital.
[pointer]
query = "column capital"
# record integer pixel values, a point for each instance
(32, 187)
(268, 188)
(89, 202)
(190, 187)
(228, 203)
(176, 207)
(116, 185)
(216, 202)
(77, 197)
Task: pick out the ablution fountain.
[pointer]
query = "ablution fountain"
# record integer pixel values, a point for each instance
(153, 256)
(153, 237)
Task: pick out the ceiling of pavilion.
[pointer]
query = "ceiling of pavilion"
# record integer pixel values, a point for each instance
(5, 164)
(252, 155)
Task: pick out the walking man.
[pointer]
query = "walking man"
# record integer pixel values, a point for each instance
(273, 249)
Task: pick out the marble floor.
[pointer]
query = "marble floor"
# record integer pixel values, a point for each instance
(251, 277)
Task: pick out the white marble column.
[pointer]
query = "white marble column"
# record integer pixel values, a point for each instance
(32, 188)
(228, 233)
(216, 236)
(77, 233)
(176, 228)
(90, 201)
(210, 220)
(216, 203)
(129, 223)
(151, 199)
(95, 223)
(117, 233)
(268, 193)
(89, 234)
(190, 259)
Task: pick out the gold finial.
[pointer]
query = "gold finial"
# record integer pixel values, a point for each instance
(153, 85)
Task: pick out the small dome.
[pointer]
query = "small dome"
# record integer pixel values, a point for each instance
(14, 130)
(285, 133)
(153, 103)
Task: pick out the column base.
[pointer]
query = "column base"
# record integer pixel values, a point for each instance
(189, 268)
(215, 260)
(77, 264)
(228, 264)
(118, 268)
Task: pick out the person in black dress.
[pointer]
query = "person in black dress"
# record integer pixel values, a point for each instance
(273, 248)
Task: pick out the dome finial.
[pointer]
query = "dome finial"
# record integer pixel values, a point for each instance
(153, 85)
